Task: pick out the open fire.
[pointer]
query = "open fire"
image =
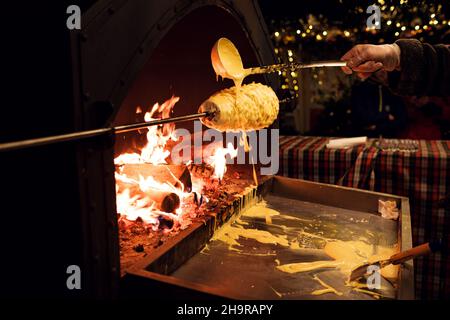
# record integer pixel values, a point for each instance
(153, 192)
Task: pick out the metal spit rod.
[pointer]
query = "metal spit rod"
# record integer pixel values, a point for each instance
(8, 146)
(95, 132)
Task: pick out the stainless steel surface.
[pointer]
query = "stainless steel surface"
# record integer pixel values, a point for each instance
(323, 209)
(252, 271)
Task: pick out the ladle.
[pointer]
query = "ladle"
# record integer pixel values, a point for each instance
(227, 62)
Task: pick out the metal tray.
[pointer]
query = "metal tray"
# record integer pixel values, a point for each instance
(180, 268)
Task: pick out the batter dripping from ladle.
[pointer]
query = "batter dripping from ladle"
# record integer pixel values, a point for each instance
(227, 63)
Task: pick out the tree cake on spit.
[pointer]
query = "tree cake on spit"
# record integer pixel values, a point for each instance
(254, 107)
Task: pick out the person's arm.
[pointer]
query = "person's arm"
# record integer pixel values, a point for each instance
(414, 68)
(425, 69)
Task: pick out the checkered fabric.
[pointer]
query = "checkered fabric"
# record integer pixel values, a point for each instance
(422, 176)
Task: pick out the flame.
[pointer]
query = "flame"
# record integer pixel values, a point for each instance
(154, 151)
(132, 202)
(133, 196)
(219, 161)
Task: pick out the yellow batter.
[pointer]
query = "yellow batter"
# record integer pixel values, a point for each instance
(308, 266)
(347, 255)
(260, 210)
(328, 288)
(227, 62)
(230, 234)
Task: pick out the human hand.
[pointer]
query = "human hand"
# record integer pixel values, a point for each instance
(364, 59)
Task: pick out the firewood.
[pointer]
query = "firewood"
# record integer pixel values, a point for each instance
(164, 200)
(176, 175)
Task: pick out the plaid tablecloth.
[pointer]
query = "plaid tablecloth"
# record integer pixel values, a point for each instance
(423, 176)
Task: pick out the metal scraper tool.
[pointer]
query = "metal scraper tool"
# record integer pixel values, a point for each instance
(398, 258)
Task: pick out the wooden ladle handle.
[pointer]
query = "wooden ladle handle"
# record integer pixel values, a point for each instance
(421, 250)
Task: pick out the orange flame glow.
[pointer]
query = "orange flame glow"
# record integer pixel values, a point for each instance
(132, 202)
(134, 195)
(154, 151)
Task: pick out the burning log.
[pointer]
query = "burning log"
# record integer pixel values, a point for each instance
(172, 176)
(203, 170)
(164, 200)
(175, 175)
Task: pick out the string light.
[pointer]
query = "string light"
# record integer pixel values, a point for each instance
(405, 21)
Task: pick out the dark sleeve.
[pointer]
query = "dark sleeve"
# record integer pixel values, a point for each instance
(425, 69)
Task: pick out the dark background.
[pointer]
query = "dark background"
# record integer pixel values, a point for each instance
(36, 101)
